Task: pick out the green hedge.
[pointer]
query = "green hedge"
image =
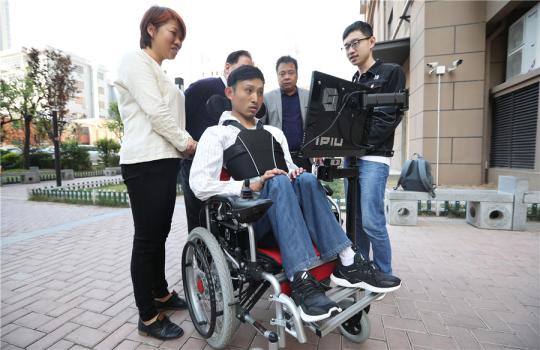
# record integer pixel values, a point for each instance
(10, 160)
(42, 160)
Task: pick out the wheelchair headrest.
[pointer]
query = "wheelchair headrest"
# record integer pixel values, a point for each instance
(216, 105)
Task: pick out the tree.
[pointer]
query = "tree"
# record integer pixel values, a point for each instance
(61, 87)
(23, 97)
(7, 95)
(107, 149)
(8, 114)
(115, 124)
(45, 85)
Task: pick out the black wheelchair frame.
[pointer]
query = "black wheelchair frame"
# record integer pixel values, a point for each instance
(224, 277)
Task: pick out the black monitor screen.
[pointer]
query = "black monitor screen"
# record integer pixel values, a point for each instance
(334, 123)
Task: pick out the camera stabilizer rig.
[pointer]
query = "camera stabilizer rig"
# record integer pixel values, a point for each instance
(356, 105)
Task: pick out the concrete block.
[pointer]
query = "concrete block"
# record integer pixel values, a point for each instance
(490, 215)
(401, 195)
(518, 187)
(34, 169)
(30, 177)
(67, 174)
(402, 213)
(453, 195)
(111, 171)
(531, 197)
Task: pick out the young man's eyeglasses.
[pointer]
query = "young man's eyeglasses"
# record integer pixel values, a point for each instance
(354, 44)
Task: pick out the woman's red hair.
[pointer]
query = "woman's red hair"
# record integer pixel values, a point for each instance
(157, 16)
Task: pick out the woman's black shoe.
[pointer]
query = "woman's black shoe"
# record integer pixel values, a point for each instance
(174, 303)
(162, 329)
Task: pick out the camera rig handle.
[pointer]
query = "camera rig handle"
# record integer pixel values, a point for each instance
(365, 101)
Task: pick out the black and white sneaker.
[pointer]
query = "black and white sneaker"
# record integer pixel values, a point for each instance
(363, 274)
(308, 294)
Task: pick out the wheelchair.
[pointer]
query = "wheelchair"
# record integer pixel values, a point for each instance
(225, 274)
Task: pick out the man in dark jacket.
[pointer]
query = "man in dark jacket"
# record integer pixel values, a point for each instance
(358, 43)
(198, 119)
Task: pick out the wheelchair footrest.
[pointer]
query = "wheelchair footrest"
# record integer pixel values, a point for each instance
(338, 294)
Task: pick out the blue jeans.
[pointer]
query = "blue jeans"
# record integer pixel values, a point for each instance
(299, 217)
(370, 220)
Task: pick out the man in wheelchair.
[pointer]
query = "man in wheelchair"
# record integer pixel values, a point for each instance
(299, 216)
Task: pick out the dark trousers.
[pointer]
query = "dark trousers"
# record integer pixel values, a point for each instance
(194, 207)
(152, 193)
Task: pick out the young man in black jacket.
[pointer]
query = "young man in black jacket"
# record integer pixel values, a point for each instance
(358, 43)
(198, 119)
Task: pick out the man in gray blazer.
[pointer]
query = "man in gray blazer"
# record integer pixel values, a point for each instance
(286, 108)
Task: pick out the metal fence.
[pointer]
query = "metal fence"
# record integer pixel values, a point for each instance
(87, 192)
(15, 178)
(96, 197)
(11, 179)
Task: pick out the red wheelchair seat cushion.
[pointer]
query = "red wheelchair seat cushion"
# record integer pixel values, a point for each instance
(320, 273)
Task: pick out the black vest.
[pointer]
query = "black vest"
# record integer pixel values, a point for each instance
(253, 153)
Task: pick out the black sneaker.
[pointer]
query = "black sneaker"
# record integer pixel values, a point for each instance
(309, 295)
(363, 274)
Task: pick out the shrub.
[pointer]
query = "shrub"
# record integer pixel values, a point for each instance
(10, 160)
(75, 157)
(114, 160)
(42, 160)
(107, 149)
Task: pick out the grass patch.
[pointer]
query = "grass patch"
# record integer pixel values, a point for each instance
(338, 188)
(110, 188)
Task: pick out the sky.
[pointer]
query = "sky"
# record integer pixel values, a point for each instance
(104, 30)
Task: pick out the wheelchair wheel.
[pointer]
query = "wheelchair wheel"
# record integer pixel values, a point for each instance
(356, 328)
(208, 288)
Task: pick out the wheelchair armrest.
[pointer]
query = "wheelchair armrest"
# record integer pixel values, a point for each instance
(217, 199)
(244, 210)
(327, 189)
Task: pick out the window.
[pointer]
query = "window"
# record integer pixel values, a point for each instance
(78, 69)
(513, 133)
(79, 100)
(523, 54)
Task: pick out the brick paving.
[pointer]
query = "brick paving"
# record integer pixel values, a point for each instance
(65, 284)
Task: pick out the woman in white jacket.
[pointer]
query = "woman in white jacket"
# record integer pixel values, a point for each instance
(152, 110)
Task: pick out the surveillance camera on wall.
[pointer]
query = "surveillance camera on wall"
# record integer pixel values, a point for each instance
(455, 64)
(432, 65)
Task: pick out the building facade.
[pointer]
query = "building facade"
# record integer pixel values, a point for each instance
(5, 32)
(488, 112)
(89, 108)
(94, 98)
